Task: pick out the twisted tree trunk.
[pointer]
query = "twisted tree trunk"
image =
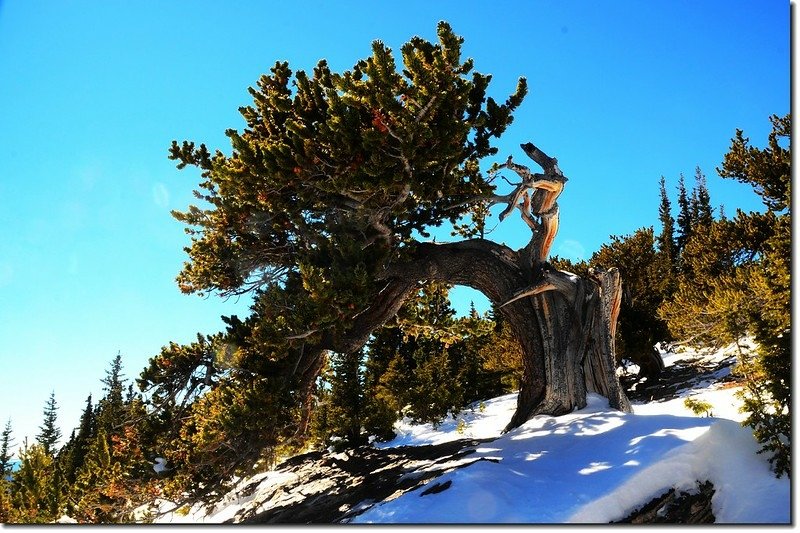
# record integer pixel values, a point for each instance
(564, 324)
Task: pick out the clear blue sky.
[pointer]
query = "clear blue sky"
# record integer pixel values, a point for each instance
(92, 94)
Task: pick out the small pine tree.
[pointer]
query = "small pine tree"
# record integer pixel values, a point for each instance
(7, 512)
(98, 472)
(736, 281)
(49, 432)
(6, 454)
(31, 486)
(666, 239)
(345, 409)
(684, 219)
(106, 465)
(78, 446)
(501, 355)
(111, 406)
(702, 213)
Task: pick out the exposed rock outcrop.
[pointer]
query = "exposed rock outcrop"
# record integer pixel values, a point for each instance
(330, 488)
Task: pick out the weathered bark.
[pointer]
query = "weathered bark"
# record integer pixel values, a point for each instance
(564, 324)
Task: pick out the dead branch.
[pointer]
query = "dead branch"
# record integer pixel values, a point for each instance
(550, 281)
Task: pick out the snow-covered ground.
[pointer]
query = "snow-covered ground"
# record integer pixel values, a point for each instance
(594, 465)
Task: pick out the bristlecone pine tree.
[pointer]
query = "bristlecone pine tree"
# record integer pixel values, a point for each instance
(318, 211)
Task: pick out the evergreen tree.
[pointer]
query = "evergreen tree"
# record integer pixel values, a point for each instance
(49, 432)
(107, 468)
(111, 407)
(642, 272)
(736, 282)
(78, 445)
(31, 487)
(684, 220)
(763, 169)
(318, 212)
(99, 473)
(501, 356)
(7, 514)
(418, 372)
(472, 359)
(666, 238)
(7, 511)
(768, 393)
(431, 364)
(57, 491)
(385, 368)
(702, 213)
(343, 407)
(6, 453)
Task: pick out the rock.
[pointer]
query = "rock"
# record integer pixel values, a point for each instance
(324, 488)
(671, 508)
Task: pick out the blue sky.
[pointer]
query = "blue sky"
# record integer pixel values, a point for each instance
(92, 94)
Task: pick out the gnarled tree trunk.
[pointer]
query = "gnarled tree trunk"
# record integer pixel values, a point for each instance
(564, 324)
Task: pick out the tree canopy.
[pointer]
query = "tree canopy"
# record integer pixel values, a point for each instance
(335, 172)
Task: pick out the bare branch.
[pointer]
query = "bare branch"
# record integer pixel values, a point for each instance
(551, 281)
(524, 209)
(539, 288)
(425, 109)
(548, 164)
(303, 335)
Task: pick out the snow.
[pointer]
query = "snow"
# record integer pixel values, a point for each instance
(164, 512)
(482, 420)
(594, 465)
(160, 465)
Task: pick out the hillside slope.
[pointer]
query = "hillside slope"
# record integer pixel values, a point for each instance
(594, 465)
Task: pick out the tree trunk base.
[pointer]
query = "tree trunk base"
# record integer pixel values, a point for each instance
(574, 320)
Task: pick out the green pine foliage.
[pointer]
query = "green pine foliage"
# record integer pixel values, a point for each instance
(667, 247)
(99, 476)
(644, 271)
(49, 433)
(32, 494)
(427, 365)
(7, 513)
(112, 473)
(430, 364)
(365, 154)
(334, 175)
(501, 358)
(73, 454)
(769, 378)
(6, 447)
(684, 219)
(735, 281)
(767, 170)
(341, 406)
(700, 206)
